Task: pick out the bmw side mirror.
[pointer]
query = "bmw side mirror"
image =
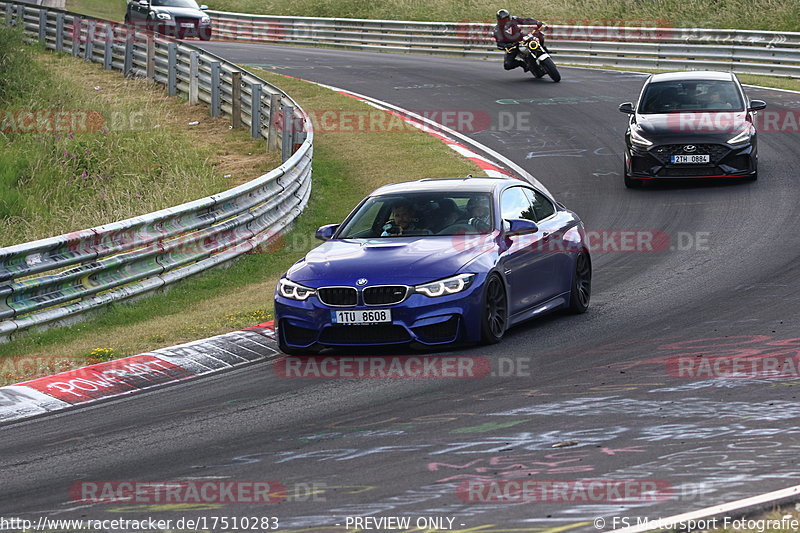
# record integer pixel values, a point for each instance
(520, 226)
(144, 3)
(627, 107)
(756, 105)
(324, 233)
(204, 7)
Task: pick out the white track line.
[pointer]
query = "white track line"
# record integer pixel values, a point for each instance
(648, 73)
(673, 522)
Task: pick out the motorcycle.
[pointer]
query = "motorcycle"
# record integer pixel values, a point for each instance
(535, 55)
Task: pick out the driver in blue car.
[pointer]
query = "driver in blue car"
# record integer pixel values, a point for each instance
(402, 222)
(507, 34)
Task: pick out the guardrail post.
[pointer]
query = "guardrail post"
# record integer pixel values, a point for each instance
(108, 46)
(89, 48)
(255, 110)
(77, 35)
(151, 57)
(287, 114)
(194, 68)
(59, 32)
(9, 14)
(42, 24)
(272, 133)
(127, 63)
(236, 99)
(172, 69)
(21, 16)
(299, 138)
(215, 89)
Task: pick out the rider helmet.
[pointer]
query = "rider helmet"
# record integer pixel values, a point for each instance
(503, 14)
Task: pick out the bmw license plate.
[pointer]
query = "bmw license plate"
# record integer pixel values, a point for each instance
(187, 25)
(693, 159)
(362, 316)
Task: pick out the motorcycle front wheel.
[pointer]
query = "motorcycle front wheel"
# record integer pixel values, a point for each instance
(551, 69)
(535, 69)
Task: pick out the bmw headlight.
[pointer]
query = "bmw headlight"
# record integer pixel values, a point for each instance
(294, 291)
(445, 286)
(163, 16)
(742, 137)
(638, 139)
(205, 19)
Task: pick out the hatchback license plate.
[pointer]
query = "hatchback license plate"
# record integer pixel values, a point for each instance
(362, 316)
(689, 159)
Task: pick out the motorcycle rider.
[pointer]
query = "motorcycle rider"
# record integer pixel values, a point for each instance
(507, 33)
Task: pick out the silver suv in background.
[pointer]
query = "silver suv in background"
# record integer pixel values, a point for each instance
(174, 18)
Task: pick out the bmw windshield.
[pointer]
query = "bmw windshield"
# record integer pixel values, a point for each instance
(432, 213)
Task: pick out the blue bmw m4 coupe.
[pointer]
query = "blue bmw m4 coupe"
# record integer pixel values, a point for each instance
(433, 262)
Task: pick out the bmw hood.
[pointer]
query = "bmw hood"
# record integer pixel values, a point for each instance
(712, 126)
(406, 260)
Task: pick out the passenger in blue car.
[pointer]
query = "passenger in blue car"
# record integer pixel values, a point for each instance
(446, 214)
(403, 222)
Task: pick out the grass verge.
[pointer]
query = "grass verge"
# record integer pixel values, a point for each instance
(139, 155)
(748, 79)
(104, 9)
(347, 165)
(770, 81)
(753, 14)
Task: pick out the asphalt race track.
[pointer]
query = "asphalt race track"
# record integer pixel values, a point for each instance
(590, 397)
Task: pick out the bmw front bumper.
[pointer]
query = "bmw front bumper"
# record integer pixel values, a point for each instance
(417, 319)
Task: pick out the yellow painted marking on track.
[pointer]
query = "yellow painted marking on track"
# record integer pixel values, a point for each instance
(794, 383)
(357, 489)
(166, 508)
(486, 528)
(492, 528)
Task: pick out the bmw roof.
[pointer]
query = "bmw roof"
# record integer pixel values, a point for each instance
(463, 184)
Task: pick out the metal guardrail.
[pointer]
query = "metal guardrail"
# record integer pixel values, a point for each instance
(62, 277)
(742, 51)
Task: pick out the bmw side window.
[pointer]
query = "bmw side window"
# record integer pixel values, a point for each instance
(541, 205)
(515, 203)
